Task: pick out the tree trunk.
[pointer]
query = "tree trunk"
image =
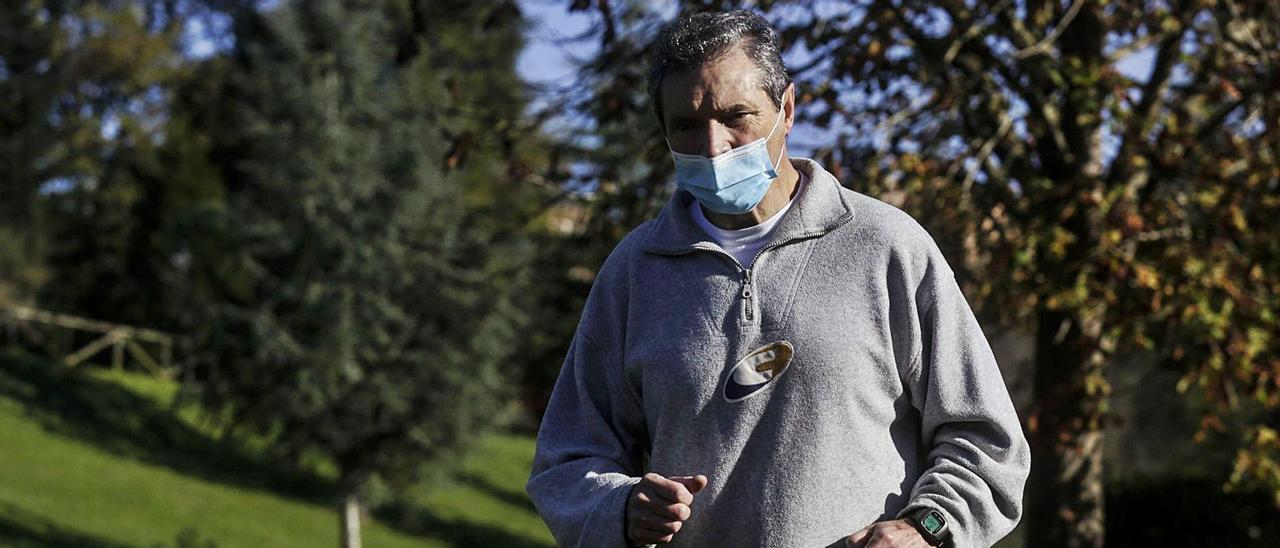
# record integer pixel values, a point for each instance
(1065, 499)
(349, 521)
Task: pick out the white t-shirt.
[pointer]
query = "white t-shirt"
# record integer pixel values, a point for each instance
(744, 243)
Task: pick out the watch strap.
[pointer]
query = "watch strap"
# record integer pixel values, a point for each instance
(931, 524)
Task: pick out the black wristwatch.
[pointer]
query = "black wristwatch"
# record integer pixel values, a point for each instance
(931, 525)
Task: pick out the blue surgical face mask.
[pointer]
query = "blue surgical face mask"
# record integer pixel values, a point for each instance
(732, 183)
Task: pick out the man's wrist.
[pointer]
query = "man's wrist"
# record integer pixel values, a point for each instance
(931, 524)
(626, 521)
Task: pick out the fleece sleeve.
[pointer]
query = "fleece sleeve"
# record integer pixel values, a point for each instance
(977, 456)
(589, 452)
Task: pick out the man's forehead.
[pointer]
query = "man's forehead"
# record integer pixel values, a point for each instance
(728, 80)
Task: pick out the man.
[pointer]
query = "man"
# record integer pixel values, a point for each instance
(774, 360)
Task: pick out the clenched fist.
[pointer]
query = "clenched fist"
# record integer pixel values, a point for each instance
(658, 507)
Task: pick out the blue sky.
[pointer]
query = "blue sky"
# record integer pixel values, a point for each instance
(544, 60)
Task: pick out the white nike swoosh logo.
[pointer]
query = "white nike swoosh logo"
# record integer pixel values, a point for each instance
(751, 374)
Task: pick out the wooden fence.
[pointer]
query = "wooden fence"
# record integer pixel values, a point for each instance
(120, 339)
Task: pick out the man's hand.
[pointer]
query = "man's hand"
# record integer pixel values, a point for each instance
(658, 507)
(887, 534)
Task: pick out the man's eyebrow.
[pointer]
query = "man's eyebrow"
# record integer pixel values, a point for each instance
(734, 108)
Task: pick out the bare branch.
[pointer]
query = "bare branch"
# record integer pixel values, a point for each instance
(1166, 57)
(906, 113)
(1043, 45)
(610, 27)
(1218, 117)
(973, 32)
(1006, 122)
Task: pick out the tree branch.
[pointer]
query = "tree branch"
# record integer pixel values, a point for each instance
(973, 31)
(1021, 37)
(984, 153)
(1043, 45)
(1141, 118)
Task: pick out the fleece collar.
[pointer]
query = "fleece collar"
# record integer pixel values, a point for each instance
(820, 209)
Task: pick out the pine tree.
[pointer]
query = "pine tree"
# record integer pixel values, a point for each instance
(363, 302)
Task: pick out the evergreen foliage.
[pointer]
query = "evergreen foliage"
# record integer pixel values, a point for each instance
(361, 299)
(330, 208)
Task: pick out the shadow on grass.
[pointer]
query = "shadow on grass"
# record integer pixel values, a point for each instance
(116, 420)
(415, 520)
(121, 422)
(517, 499)
(22, 528)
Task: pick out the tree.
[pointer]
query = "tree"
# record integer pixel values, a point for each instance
(26, 44)
(362, 304)
(612, 169)
(1110, 211)
(1094, 204)
(83, 83)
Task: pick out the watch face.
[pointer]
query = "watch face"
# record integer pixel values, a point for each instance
(932, 522)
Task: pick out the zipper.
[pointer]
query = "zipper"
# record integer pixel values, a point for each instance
(747, 293)
(748, 285)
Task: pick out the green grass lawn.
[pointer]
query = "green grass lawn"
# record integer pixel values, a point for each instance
(96, 458)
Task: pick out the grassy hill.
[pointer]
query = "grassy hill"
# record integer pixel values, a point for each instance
(96, 458)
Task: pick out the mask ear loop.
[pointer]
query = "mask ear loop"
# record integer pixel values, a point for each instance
(747, 149)
(783, 148)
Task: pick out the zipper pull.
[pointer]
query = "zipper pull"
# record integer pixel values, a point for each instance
(746, 295)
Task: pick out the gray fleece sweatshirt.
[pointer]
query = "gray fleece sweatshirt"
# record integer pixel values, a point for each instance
(840, 381)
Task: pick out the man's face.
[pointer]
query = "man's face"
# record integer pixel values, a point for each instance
(720, 106)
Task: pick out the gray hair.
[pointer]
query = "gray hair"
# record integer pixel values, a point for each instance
(696, 39)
